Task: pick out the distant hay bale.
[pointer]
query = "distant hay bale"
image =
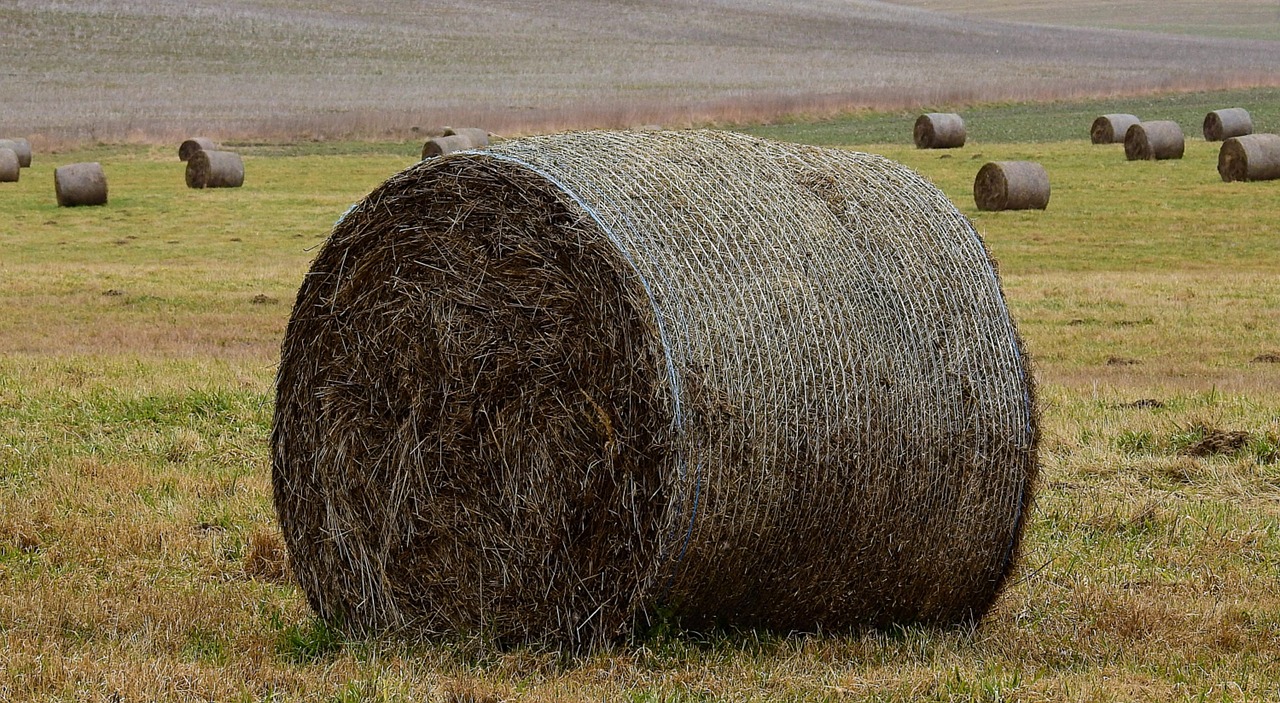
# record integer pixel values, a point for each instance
(21, 147)
(1227, 123)
(1251, 157)
(1157, 140)
(541, 390)
(479, 138)
(1011, 185)
(215, 169)
(80, 184)
(194, 144)
(9, 166)
(1111, 128)
(440, 146)
(939, 130)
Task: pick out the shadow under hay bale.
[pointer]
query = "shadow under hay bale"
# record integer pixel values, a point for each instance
(1111, 128)
(215, 169)
(440, 146)
(939, 130)
(1154, 141)
(10, 169)
(194, 144)
(21, 147)
(1227, 123)
(1252, 157)
(540, 390)
(1011, 185)
(479, 138)
(80, 184)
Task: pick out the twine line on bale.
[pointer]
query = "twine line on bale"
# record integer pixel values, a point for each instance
(10, 169)
(939, 130)
(1011, 185)
(1154, 141)
(1111, 128)
(441, 146)
(214, 169)
(1227, 123)
(542, 390)
(80, 184)
(1251, 157)
(20, 146)
(194, 144)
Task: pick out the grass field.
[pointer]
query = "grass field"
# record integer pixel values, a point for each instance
(139, 559)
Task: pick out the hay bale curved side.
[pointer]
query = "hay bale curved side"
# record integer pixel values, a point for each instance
(537, 390)
(939, 130)
(1227, 123)
(1154, 141)
(478, 137)
(442, 146)
(1011, 185)
(80, 184)
(214, 169)
(1252, 157)
(20, 146)
(194, 144)
(1111, 128)
(10, 169)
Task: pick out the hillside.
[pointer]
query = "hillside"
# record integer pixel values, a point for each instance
(115, 69)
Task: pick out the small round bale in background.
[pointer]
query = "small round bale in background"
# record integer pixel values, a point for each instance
(1227, 123)
(479, 138)
(215, 169)
(1011, 185)
(194, 144)
(939, 130)
(1250, 157)
(1111, 128)
(9, 168)
(80, 184)
(21, 147)
(1154, 141)
(439, 146)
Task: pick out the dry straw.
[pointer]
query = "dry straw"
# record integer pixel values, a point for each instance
(80, 184)
(479, 138)
(1111, 128)
(21, 147)
(1227, 123)
(540, 391)
(215, 169)
(1011, 185)
(1161, 139)
(194, 144)
(1252, 157)
(440, 146)
(9, 166)
(939, 130)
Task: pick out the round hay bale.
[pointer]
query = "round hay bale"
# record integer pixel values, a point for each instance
(440, 146)
(939, 130)
(9, 166)
(542, 390)
(479, 138)
(1011, 185)
(1251, 157)
(1227, 123)
(21, 147)
(1111, 128)
(80, 184)
(1161, 139)
(194, 144)
(215, 169)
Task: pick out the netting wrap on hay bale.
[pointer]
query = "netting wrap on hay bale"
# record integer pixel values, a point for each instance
(939, 130)
(1227, 123)
(80, 184)
(10, 168)
(1252, 157)
(1157, 140)
(1111, 128)
(214, 169)
(1011, 185)
(194, 144)
(539, 390)
(21, 147)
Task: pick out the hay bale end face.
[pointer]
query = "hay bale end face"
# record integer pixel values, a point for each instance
(80, 184)
(541, 390)
(1011, 185)
(9, 166)
(440, 146)
(21, 147)
(479, 138)
(939, 130)
(215, 169)
(1251, 157)
(1111, 128)
(1154, 141)
(194, 144)
(1227, 123)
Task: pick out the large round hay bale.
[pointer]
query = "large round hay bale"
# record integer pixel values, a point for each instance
(80, 184)
(194, 144)
(479, 138)
(215, 169)
(1227, 123)
(1251, 157)
(1111, 128)
(540, 390)
(440, 146)
(1157, 140)
(21, 147)
(1011, 185)
(939, 130)
(10, 167)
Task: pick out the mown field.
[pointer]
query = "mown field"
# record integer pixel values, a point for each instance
(139, 558)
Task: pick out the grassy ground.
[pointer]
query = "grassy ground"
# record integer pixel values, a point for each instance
(139, 558)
